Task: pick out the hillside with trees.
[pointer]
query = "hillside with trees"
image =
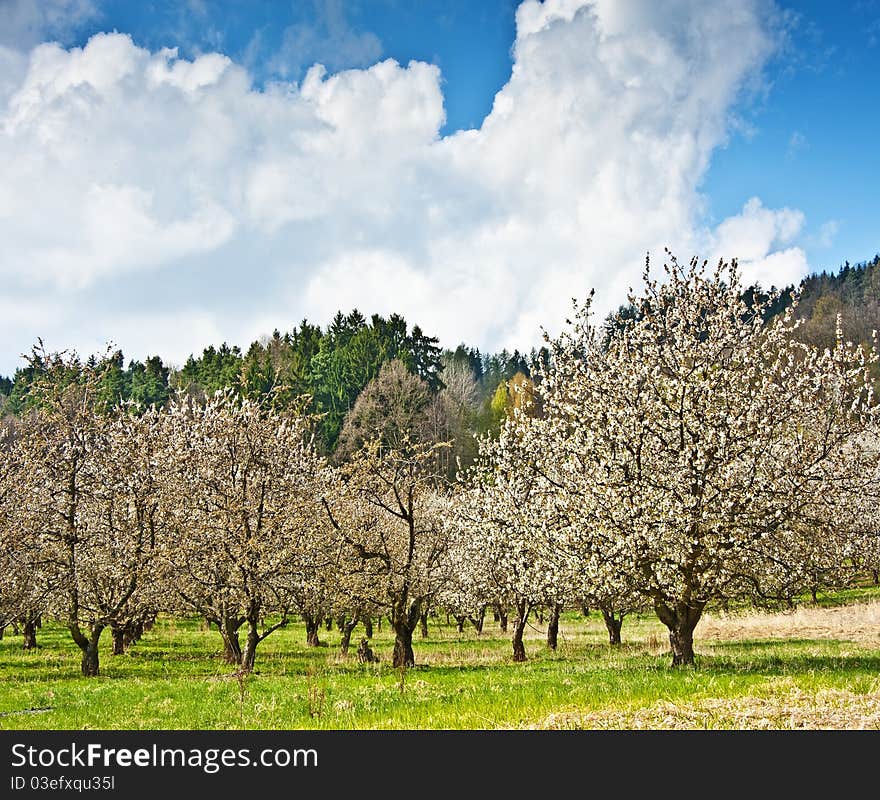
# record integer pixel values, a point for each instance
(466, 390)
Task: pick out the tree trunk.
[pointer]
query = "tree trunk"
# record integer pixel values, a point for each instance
(249, 654)
(312, 626)
(88, 645)
(231, 645)
(613, 624)
(423, 625)
(90, 661)
(519, 626)
(682, 641)
(477, 621)
(459, 623)
(29, 634)
(502, 618)
(118, 635)
(875, 576)
(680, 619)
(328, 623)
(347, 626)
(133, 632)
(553, 626)
(368, 627)
(403, 653)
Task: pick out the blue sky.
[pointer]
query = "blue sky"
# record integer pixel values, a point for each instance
(167, 200)
(813, 142)
(469, 41)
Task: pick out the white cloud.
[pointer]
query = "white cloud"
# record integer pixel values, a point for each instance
(758, 237)
(29, 22)
(142, 186)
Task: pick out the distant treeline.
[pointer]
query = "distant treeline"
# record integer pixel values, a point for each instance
(333, 365)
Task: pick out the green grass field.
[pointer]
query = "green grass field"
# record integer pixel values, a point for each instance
(174, 678)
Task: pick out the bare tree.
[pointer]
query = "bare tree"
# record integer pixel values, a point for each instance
(393, 407)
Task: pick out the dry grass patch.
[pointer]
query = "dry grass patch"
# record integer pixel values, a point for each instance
(858, 622)
(788, 709)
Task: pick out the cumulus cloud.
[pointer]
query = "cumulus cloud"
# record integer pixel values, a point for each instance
(759, 238)
(183, 205)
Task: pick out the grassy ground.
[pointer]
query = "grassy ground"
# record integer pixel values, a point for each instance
(816, 667)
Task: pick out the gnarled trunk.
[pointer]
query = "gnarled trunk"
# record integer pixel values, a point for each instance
(681, 619)
(88, 645)
(553, 626)
(133, 632)
(312, 625)
(90, 661)
(613, 623)
(519, 627)
(118, 635)
(404, 623)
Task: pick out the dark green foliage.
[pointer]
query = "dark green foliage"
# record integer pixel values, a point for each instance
(17, 395)
(143, 384)
(148, 382)
(112, 388)
(502, 367)
(217, 368)
(40, 364)
(468, 356)
(331, 367)
(351, 354)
